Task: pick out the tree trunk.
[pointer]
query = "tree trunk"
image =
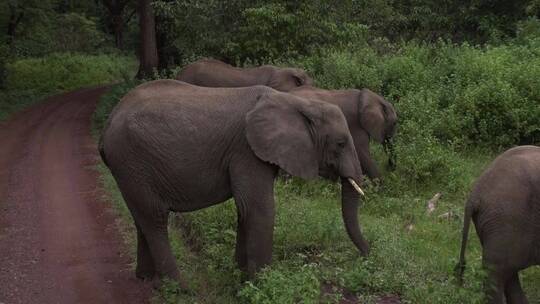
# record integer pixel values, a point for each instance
(148, 55)
(118, 28)
(14, 20)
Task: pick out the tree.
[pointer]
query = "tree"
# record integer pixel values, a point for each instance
(148, 55)
(118, 18)
(15, 18)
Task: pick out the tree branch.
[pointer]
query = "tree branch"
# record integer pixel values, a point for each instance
(130, 15)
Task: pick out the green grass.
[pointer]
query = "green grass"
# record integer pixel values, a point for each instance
(413, 253)
(31, 80)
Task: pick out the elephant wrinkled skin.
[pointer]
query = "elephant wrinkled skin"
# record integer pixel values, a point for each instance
(214, 73)
(505, 208)
(172, 146)
(368, 115)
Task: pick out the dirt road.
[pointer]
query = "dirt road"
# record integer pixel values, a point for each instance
(58, 240)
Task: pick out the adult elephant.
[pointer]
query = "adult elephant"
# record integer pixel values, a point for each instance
(172, 146)
(505, 208)
(214, 73)
(368, 115)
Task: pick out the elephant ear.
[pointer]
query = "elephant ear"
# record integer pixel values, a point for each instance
(373, 114)
(278, 131)
(301, 77)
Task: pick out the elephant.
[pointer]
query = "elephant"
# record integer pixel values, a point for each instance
(214, 73)
(173, 146)
(368, 115)
(504, 205)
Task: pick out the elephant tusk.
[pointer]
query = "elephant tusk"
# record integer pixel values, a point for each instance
(355, 185)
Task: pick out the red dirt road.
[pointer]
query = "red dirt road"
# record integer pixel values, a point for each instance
(58, 240)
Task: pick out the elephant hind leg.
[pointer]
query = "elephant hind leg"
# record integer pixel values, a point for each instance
(154, 231)
(494, 287)
(145, 264)
(154, 254)
(513, 291)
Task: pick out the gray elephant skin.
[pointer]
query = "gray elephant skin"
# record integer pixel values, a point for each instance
(172, 146)
(368, 115)
(504, 205)
(214, 73)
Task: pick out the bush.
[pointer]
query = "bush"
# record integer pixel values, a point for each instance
(283, 286)
(44, 32)
(64, 72)
(29, 80)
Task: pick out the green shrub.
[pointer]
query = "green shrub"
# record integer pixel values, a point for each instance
(275, 31)
(334, 69)
(30, 80)
(44, 31)
(280, 285)
(64, 72)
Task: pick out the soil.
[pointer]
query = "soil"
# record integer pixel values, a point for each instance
(58, 239)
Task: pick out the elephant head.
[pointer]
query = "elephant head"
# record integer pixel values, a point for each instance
(307, 138)
(378, 118)
(286, 79)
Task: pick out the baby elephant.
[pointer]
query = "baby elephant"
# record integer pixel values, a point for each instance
(505, 208)
(214, 73)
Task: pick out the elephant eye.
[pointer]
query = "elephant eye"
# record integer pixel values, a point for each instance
(341, 144)
(298, 81)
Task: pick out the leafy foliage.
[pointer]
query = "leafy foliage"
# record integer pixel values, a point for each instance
(30, 80)
(62, 72)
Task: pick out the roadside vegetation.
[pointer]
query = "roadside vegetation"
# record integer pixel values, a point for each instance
(30, 80)
(49, 47)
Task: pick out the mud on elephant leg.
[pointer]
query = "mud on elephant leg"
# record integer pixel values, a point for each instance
(145, 265)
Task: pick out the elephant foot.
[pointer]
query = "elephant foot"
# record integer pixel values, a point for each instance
(364, 249)
(145, 275)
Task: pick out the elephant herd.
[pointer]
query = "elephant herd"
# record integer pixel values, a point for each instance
(219, 132)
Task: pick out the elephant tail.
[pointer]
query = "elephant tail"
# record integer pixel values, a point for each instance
(102, 150)
(460, 267)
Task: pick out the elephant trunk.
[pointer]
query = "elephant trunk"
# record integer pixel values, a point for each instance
(349, 211)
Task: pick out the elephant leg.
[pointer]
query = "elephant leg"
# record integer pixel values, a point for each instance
(252, 186)
(151, 218)
(156, 234)
(369, 166)
(145, 265)
(494, 287)
(513, 291)
(259, 232)
(502, 256)
(240, 252)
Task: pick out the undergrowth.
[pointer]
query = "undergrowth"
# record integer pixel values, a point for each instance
(458, 107)
(31, 80)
